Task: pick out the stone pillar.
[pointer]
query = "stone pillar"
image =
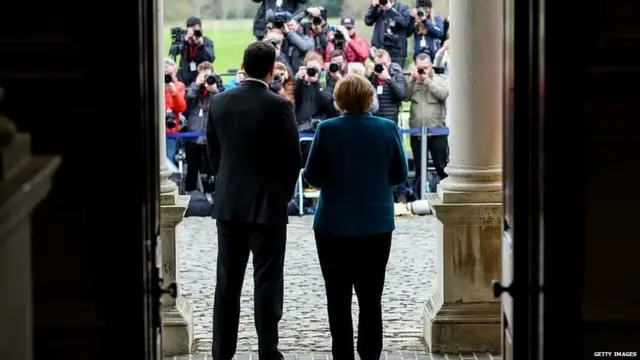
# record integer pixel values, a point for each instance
(177, 316)
(462, 315)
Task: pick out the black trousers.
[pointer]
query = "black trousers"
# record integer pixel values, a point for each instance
(358, 263)
(197, 162)
(438, 147)
(267, 243)
(400, 60)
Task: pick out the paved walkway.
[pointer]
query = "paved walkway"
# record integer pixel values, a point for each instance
(410, 280)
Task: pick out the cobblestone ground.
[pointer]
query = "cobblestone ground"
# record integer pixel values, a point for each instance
(410, 280)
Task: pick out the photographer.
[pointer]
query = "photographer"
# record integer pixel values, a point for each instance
(282, 82)
(335, 69)
(390, 85)
(428, 32)
(174, 105)
(296, 44)
(311, 103)
(199, 96)
(197, 49)
(344, 38)
(428, 92)
(315, 27)
(358, 68)
(393, 25)
(292, 7)
(236, 80)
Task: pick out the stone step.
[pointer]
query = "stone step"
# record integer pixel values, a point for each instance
(325, 356)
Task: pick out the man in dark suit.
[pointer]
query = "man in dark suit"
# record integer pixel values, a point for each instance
(254, 150)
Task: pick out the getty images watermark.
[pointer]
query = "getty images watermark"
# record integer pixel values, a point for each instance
(615, 354)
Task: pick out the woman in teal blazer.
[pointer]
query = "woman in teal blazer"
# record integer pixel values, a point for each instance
(355, 160)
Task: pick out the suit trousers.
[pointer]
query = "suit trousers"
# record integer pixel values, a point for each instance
(267, 243)
(359, 263)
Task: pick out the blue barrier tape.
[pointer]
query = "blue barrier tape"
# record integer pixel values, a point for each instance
(430, 131)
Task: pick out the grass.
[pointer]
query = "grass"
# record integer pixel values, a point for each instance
(231, 37)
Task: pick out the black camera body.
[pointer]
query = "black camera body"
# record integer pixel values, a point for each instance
(378, 68)
(172, 121)
(334, 67)
(210, 80)
(390, 40)
(168, 79)
(383, 2)
(312, 71)
(177, 41)
(197, 32)
(278, 17)
(421, 71)
(422, 12)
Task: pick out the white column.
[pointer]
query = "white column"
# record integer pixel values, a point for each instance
(475, 102)
(462, 315)
(177, 316)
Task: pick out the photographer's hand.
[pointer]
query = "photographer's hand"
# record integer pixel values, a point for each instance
(370, 68)
(414, 73)
(384, 75)
(302, 73)
(285, 28)
(200, 40)
(414, 13)
(375, 2)
(189, 35)
(335, 75)
(200, 79)
(171, 87)
(345, 33)
(388, 6)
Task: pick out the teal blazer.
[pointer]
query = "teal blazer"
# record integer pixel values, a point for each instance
(355, 160)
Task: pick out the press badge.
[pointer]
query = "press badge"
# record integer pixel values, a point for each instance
(392, 23)
(192, 66)
(380, 87)
(423, 43)
(201, 113)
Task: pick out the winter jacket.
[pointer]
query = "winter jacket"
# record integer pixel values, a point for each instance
(398, 19)
(199, 103)
(390, 93)
(428, 107)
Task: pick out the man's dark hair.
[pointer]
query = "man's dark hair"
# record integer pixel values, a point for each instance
(424, 3)
(259, 58)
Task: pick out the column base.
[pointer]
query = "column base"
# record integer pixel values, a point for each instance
(177, 328)
(462, 327)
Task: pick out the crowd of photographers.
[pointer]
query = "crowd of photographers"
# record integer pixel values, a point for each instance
(312, 55)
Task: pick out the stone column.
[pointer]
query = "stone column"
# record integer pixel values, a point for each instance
(462, 315)
(177, 317)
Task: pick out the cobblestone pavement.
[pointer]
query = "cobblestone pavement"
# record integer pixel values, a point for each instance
(410, 280)
(385, 356)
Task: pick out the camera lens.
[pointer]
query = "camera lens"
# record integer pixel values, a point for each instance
(210, 80)
(168, 78)
(421, 71)
(378, 68)
(334, 67)
(276, 77)
(316, 21)
(197, 33)
(383, 2)
(421, 13)
(312, 72)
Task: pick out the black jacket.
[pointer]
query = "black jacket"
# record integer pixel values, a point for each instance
(398, 19)
(198, 105)
(393, 92)
(197, 55)
(312, 104)
(260, 20)
(254, 149)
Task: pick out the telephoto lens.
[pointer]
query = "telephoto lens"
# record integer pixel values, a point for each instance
(276, 77)
(378, 68)
(334, 67)
(197, 33)
(312, 71)
(167, 78)
(421, 71)
(421, 12)
(316, 20)
(210, 80)
(383, 2)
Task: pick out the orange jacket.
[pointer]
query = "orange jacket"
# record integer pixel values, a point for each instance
(175, 103)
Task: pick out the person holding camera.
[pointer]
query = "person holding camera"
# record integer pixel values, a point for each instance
(393, 25)
(315, 27)
(199, 96)
(311, 103)
(428, 93)
(282, 82)
(345, 38)
(296, 44)
(388, 80)
(359, 69)
(236, 80)
(174, 105)
(197, 49)
(335, 69)
(260, 21)
(428, 31)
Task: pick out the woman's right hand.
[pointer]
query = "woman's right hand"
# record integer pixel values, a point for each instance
(302, 73)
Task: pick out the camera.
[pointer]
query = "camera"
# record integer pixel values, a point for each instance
(383, 2)
(390, 40)
(312, 71)
(378, 68)
(338, 40)
(276, 84)
(210, 80)
(438, 70)
(177, 41)
(316, 20)
(197, 32)
(334, 67)
(278, 18)
(172, 121)
(421, 71)
(422, 12)
(168, 79)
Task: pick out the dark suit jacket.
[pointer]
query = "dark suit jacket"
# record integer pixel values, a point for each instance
(355, 160)
(254, 150)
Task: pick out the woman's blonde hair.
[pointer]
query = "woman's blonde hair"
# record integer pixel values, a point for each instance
(354, 93)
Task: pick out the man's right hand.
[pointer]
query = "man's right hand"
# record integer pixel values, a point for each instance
(370, 68)
(302, 73)
(375, 2)
(189, 35)
(200, 79)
